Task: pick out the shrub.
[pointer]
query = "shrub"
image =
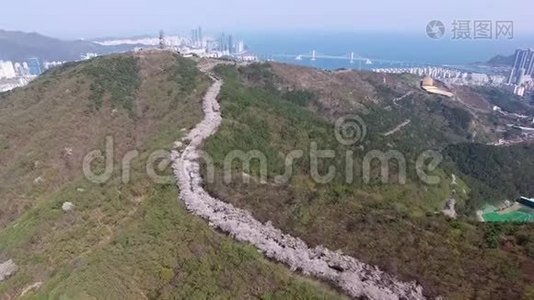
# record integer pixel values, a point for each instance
(117, 76)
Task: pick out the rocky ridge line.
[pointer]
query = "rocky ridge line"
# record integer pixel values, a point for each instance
(354, 277)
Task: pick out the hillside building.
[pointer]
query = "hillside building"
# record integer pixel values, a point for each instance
(523, 67)
(7, 70)
(428, 85)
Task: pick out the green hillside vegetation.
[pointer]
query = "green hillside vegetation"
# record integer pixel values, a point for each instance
(129, 240)
(495, 173)
(506, 100)
(123, 240)
(394, 226)
(118, 77)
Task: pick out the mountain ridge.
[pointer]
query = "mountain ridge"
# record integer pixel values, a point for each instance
(19, 46)
(502, 60)
(396, 225)
(137, 236)
(121, 239)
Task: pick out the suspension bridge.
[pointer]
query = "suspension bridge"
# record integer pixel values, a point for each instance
(351, 57)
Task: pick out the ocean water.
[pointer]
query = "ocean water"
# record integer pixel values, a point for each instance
(384, 50)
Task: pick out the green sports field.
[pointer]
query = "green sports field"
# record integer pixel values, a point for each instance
(522, 215)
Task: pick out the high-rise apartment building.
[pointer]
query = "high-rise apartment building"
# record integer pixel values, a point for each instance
(35, 66)
(523, 66)
(7, 70)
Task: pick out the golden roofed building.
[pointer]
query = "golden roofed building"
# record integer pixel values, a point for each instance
(427, 84)
(427, 81)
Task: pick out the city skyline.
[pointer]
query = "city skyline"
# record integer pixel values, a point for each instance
(120, 18)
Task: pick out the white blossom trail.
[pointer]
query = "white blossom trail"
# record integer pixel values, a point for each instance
(352, 276)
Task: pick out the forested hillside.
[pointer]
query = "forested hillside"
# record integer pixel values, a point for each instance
(397, 226)
(123, 238)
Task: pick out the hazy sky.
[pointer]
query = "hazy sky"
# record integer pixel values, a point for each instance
(72, 18)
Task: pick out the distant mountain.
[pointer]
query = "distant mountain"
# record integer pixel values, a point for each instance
(501, 60)
(17, 45)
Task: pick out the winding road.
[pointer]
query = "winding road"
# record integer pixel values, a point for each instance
(352, 276)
